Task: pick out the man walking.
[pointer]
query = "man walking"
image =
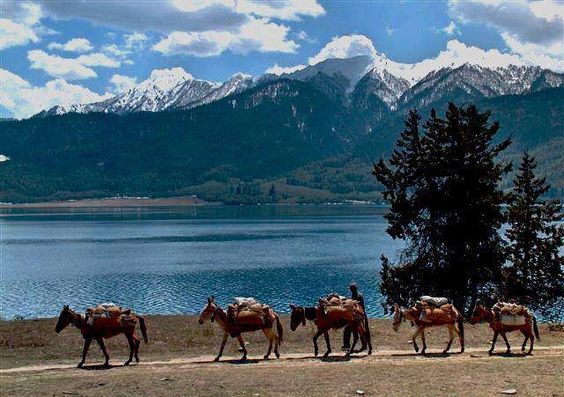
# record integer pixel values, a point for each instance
(357, 296)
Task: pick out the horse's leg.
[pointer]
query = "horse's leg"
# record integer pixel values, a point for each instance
(269, 335)
(532, 337)
(317, 335)
(506, 343)
(450, 337)
(493, 342)
(328, 343)
(223, 342)
(242, 344)
(131, 348)
(417, 331)
(424, 350)
(100, 341)
(137, 344)
(460, 337)
(87, 342)
(277, 345)
(526, 335)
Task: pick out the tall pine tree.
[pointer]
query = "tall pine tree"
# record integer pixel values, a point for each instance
(535, 234)
(445, 202)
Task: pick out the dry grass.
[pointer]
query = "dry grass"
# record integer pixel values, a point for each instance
(393, 370)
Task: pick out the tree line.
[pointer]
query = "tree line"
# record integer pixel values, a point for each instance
(466, 238)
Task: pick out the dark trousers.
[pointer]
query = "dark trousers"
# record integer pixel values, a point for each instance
(348, 332)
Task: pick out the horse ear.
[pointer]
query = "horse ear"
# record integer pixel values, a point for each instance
(292, 306)
(66, 307)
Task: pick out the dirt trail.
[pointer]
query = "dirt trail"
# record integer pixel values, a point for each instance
(300, 359)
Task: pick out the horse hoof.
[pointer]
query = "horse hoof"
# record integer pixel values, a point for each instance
(266, 356)
(277, 354)
(80, 365)
(490, 352)
(445, 351)
(462, 350)
(126, 363)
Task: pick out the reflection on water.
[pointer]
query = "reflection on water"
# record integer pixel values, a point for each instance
(162, 260)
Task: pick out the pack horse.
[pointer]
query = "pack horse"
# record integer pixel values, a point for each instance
(102, 322)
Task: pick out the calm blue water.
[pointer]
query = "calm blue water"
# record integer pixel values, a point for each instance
(167, 261)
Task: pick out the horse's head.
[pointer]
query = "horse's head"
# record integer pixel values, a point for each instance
(65, 318)
(297, 317)
(398, 317)
(479, 314)
(208, 311)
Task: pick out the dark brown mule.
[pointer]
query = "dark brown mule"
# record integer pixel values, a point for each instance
(481, 313)
(101, 330)
(325, 323)
(213, 312)
(446, 315)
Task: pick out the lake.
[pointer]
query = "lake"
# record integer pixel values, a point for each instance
(168, 260)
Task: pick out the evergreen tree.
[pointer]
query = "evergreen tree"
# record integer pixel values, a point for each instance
(534, 275)
(445, 202)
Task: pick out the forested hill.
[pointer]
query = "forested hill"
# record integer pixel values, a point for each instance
(285, 133)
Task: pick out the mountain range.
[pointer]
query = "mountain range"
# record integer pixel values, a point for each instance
(312, 134)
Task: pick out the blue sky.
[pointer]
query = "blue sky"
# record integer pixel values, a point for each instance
(61, 52)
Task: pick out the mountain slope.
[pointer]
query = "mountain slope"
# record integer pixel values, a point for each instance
(260, 133)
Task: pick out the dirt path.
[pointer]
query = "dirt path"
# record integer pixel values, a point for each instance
(300, 359)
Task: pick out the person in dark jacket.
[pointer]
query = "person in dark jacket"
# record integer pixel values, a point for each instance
(357, 296)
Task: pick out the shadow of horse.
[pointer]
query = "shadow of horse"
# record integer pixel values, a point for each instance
(511, 354)
(427, 355)
(99, 367)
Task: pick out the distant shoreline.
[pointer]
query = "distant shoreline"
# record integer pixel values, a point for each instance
(113, 202)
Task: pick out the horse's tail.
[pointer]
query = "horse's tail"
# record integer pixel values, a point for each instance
(143, 327)
(460, 321)
(535, 328)
(279, 329)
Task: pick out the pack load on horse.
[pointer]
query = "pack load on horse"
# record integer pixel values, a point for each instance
(106, 313)
(102, 322)
(244, 315)
(506, 317)
(431, 311)
(333, 312)
(511, 313)
(430, 307)
(249, 311)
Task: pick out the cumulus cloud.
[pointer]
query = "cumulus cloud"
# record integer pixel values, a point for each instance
(290, 10)
(280, 70)
(24, 100)
(19, 24)
(73, 45)
(69, 68)
(120, 83)
(390, 31)
(531, 29)
(258, 35)
(345, 47)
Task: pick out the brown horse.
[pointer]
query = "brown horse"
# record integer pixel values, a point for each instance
(481, 313)
(325, 323)
(446, 315)
(101, 330)
(230, 328)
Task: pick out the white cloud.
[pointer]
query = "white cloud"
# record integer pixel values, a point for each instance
(98, 59)
(56, 66)
(14, 34)
(534, 30)
(451, 29)
(390, 31)
(345, 47)
(74, 45)
(280, 70)
(121, 83)
(19, 24)
(70, 68)
(258, 35)
(135, 41)
(25, 100)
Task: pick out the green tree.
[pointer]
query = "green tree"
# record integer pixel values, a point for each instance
(445, 202)
(534, 274)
